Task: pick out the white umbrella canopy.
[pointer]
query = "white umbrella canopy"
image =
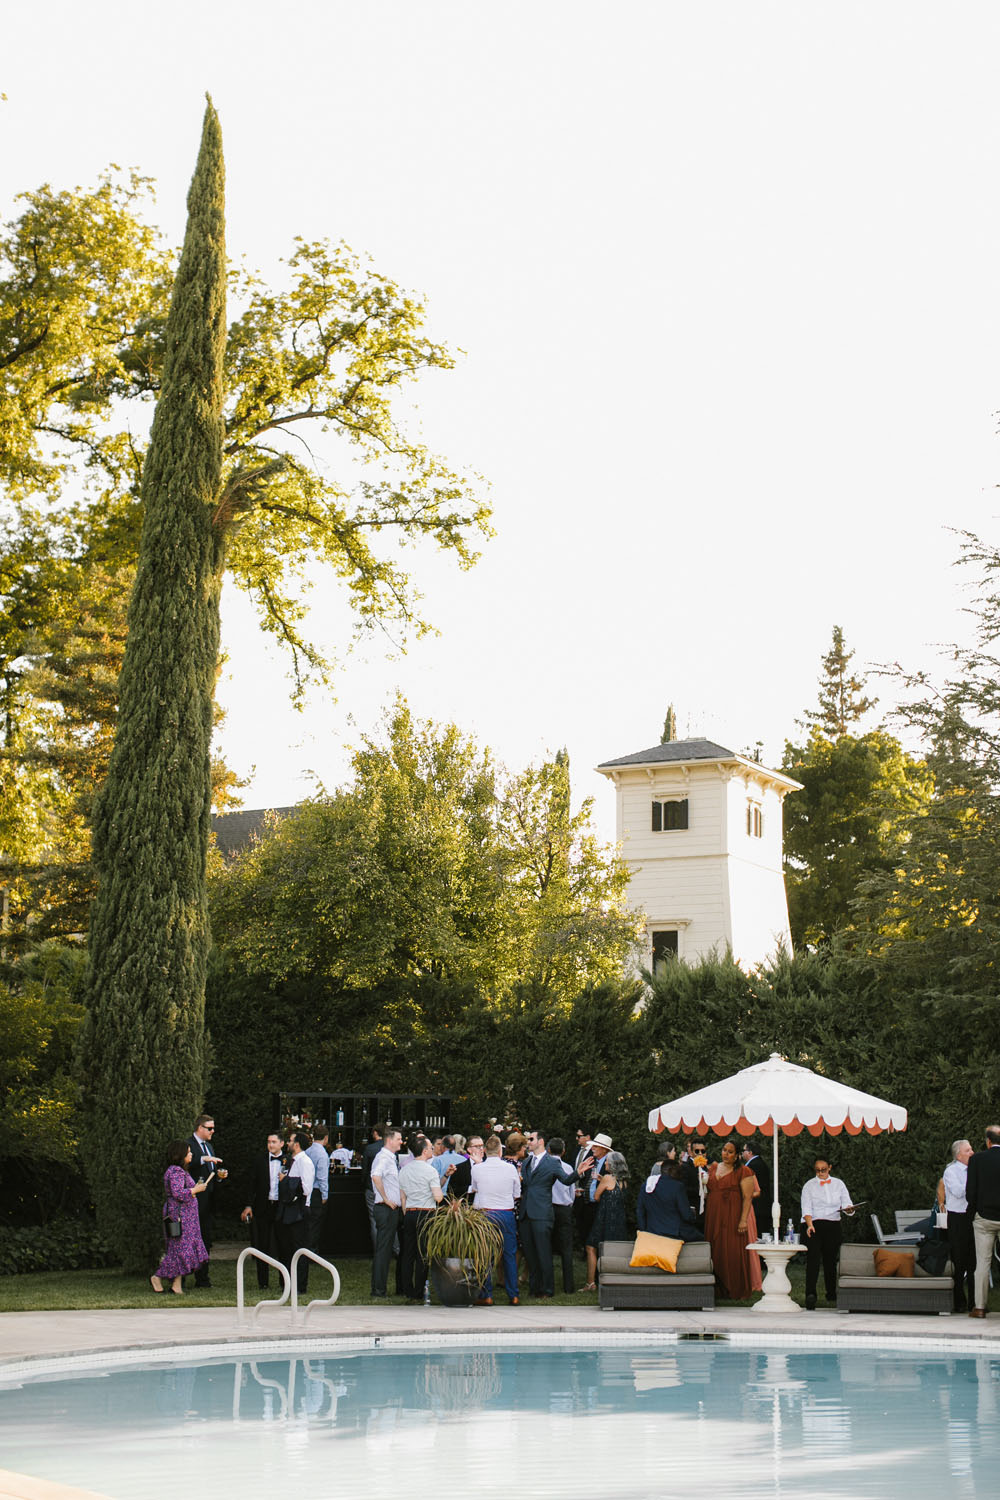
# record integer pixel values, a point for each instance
(777, 1097)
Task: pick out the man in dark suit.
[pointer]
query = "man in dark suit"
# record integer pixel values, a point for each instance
(694, 1164)
(205, 1163)
(538, 1172)
(372, 1149)
(762, 1172)
(982, 1194)
(263, 1204)
(663, 1206)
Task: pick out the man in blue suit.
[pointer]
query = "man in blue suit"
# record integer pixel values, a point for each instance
(539, 1171)
(663, 1206)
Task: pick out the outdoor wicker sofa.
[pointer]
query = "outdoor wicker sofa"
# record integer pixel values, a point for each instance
(624, 1286)
(860, 1290)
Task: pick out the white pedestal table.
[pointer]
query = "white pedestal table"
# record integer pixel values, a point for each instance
(777, 1287)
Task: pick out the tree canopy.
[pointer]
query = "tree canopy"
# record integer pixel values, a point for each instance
(852, 817)
(84, 286)
(934, 914)
(842, 701)
(851, 820)
(434, 864)
(319, 473)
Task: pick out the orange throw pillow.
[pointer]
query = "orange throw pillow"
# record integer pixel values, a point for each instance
(657, 1250)
(893, 1262)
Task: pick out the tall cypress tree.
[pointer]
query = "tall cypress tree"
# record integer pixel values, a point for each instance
(144, 1041)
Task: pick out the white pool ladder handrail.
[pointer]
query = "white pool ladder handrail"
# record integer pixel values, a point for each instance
(270, 1301)
(316, 1301)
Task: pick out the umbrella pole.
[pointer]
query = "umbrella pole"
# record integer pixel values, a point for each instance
(776, 1204)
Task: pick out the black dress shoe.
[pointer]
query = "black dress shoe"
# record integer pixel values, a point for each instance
(203, 1286)
(810, 1304)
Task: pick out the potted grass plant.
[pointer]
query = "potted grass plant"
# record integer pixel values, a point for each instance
(461, 1245)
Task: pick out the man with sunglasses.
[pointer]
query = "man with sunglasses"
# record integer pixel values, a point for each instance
(206, 1167)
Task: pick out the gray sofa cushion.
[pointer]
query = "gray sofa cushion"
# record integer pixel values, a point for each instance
(694, 1260)
(886, 1283)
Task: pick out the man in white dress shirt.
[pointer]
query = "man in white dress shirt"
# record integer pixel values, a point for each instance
(420, 1192)
(496, 1183)
(294, 1192)
(385, 1185)
(961, 1241)
(823, 1199)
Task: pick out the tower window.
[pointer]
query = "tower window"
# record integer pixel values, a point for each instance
(755, 821)
(668, 816)
(665, 946)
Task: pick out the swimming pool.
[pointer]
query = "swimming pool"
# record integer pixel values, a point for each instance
(611, 1422)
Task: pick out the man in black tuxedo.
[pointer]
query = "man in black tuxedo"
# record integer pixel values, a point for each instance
(263, 1205)
(204, 1163)
(762, 1172)
(982, 1194)
(694, 1162)
(538, 1172)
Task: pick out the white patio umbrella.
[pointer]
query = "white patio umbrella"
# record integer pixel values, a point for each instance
(775, 1097)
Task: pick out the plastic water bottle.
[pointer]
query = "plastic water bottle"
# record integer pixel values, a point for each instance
(790, 1233)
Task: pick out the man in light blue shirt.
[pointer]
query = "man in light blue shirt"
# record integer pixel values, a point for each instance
(320, 1158)
(449, 1157)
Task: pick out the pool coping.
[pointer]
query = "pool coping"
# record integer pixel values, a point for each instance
(40, 1344)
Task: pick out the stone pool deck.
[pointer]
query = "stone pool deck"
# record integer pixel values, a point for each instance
(27, 1338)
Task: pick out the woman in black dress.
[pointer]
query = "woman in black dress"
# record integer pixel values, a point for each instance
(609, 1220)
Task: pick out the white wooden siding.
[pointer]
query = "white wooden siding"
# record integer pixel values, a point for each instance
(722, 886)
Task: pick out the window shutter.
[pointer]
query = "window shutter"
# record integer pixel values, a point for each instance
(657, 817)
(682, 814)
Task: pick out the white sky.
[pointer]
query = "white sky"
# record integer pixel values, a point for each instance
(726, 279)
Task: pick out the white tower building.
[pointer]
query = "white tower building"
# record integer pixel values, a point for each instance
(700, 831)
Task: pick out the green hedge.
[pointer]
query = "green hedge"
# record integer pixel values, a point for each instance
(619, 1050)
(62, 1245)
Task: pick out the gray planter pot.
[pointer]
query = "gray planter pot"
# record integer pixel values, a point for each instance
(451, 1283)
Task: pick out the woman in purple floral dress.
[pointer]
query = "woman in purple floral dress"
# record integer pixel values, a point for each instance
(183, 1254)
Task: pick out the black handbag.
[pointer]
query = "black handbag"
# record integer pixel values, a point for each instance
(172, 1228)
(933, 1256)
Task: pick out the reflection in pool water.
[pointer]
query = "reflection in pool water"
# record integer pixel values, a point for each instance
(612, 1423)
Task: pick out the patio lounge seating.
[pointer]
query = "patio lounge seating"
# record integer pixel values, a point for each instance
(625, 1286)
(907, 1217)
(901, 1237)
(859, 1289)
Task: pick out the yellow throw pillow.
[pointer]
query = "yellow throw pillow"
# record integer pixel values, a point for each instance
(893, 1262)
(656, 1250)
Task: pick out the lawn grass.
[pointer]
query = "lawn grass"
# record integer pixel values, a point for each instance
(56, 1291)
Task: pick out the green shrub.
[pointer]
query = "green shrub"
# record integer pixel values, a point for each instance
(62, 1245)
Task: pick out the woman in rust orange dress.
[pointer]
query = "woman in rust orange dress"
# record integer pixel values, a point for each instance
(730, 1226)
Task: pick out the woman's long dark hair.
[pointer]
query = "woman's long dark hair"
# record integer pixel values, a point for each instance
(176, 1152)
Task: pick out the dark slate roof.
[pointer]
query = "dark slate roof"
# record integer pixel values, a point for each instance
(234, 831)
(673, 750)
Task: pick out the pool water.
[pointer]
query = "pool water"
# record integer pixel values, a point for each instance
(604, 1423)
